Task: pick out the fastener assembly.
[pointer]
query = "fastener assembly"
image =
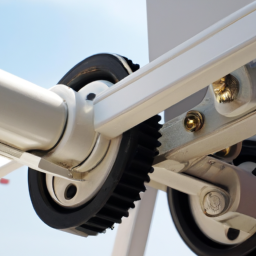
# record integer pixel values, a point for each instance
(193, 121)
(214, 203)
(226, 89)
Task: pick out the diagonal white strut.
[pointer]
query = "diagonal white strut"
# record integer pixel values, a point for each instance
(215, 52)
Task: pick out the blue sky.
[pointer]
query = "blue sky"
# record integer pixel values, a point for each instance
(40, 41)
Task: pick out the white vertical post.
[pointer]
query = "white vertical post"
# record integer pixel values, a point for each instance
(132, 234)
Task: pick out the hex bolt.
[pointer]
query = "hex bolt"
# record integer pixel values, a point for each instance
(214, 203)
(226, 89)
(193, 121)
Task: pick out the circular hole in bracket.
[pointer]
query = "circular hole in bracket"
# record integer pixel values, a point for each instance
(70, 191)
(233, 234)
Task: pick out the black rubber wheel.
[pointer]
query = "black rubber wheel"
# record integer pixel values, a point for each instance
(130, 170)
(185, 224)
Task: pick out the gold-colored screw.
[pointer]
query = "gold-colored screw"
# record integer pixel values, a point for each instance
(193, 121)
(226, 89)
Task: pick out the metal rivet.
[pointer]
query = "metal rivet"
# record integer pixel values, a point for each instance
(193, 121)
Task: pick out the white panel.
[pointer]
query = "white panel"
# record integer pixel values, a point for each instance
(171, 22)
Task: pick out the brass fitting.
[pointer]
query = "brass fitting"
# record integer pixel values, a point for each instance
(193, 121)
(226, 89)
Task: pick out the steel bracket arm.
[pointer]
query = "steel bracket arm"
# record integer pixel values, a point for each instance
(213, 53)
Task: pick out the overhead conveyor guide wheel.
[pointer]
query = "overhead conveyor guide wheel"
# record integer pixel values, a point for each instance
(126, 178)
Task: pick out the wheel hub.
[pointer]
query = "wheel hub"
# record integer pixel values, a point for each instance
(93, 171)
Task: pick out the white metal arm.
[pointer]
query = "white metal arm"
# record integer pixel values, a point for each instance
(215, 52)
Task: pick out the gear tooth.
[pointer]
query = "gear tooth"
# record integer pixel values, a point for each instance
(116, 209)
(137, 198)
(133, 206)
(123, 198)
(159, 143)
(145, 152)
(147, 141)
(149, 130)
(133, 187)
(93, 229)
(99, 223)
(87, 231)
(156, 152)
(154, 119)
(144, 159)
(147, 179)
(159, 126)
(159, 135)
(105, 216)
(138, 175)
(134, 67)
(151, 170)
(122, 204)
(126, 191)
(139, 165)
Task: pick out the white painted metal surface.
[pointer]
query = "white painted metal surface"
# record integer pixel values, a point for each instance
(33, 161)
(180, 182)
(177, 74)
(102, 144)
(94, 168)
(33, 118)
(7, 165)
(79, 137)
(91, 181)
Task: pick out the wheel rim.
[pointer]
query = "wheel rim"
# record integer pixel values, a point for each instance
(201, 242)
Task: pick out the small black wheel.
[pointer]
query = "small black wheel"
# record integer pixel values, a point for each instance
(128, 174)
(189, 230)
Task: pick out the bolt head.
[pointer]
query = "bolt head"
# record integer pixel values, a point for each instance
(214, 203)
(193, 121)
(226, 89)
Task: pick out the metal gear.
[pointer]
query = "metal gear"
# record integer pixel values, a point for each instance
(128, 175)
